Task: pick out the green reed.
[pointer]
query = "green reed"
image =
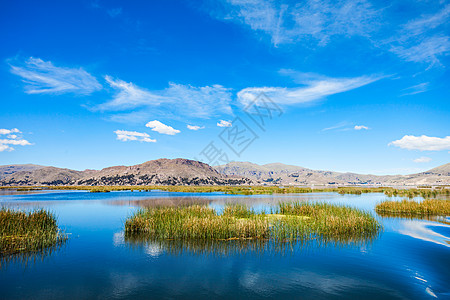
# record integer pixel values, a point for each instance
(409, 207)
(28, 231)
(425, 192)
(294, 221)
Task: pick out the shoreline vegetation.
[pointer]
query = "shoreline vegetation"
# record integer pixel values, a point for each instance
(289, 222)
(425, 192)
(28, 232)
(427, 207)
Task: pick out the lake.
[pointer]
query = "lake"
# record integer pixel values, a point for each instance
(410, 259)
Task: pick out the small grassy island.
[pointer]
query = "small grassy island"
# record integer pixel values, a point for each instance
(409, 207)
(287, 222)
(25, 232)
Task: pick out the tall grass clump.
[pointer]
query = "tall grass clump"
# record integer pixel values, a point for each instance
(327, 221)
(194, 222)
(287, 222)
(409, 207)
(28, 231)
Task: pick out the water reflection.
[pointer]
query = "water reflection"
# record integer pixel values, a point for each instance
(156, 247)
(25, 259)
(163, 201)
(434, 229)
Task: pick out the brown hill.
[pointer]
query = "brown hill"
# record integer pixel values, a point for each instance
(161, 171)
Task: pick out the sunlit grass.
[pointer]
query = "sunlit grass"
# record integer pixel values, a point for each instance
(28, 231)
(409, 207)
(287, 222)
(260, 190)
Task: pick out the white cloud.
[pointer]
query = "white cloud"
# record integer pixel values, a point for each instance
(361, 127)
(194, 127)
(420, 40)
(310, 22)
(223, 123)
(42, 77)
(124, 136)
(426, 51)
(319, 20)
(5, 148)
(161, 128)
(12, 139)
(416, 89)
(422, 143)
(342, 126)
(9, 131)
(427, 22)
(129, 96)
(313, 89)
(200, 102)
(422, 159)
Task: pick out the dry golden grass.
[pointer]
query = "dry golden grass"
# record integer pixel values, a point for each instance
(409, 207)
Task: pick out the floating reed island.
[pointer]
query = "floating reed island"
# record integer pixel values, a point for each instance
(408, 207)
(25, 232)
(287, 222)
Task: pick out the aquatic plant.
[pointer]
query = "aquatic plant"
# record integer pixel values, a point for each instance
(260, 190)
(409, 207)
(28, 231)
(194, 222)
(288, 222)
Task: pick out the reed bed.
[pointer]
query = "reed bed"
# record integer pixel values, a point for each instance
(28, 231)
(287, 222)
(409, 207)
(195, 222)
(425, 192)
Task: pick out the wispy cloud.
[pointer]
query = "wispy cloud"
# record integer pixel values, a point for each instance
(343, 126)
(422, 159)
(223, 123)
(200, 102)
(319, 20)
(416, 89)
(427, 51)
(42, 77)
(129, 96)
(124, 136)
(421, 40)
(313, 89)
(13, 137)
(161, 128)
(422, 143)
(114, 12)
(194, 127)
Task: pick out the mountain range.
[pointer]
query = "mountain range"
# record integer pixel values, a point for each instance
(277, 173)
(190, 172)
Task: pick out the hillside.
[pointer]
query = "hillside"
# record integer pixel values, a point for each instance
(11, 169)
(189, 172)
(160, 172)
(278, 173)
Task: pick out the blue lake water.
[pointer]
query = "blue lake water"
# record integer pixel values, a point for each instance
(410, 259)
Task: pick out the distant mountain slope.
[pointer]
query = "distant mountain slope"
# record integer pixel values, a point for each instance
(189, 172)
(278, 173)
(161, 171)
(11, 169)
(43, 176)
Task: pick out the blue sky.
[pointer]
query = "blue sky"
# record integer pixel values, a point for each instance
(359, 86)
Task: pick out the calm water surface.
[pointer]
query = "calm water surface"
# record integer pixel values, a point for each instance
(409, 260)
